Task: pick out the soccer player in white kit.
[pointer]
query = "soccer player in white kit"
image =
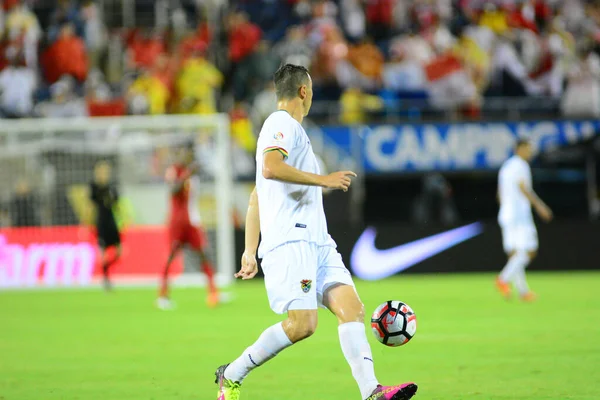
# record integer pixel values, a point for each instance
(302, 267)
(519, 235)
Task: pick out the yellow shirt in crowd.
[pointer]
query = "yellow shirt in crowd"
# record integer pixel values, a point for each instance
(154, 90)
(196, 85)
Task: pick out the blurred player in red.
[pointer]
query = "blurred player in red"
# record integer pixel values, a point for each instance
(184, 224)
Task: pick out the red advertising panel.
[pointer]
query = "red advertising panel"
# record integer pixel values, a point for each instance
(68, 256)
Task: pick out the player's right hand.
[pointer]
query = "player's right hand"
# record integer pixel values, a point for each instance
(545, 213)
(340, 180)
(249, 267)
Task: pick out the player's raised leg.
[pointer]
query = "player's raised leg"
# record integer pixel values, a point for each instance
(290, 271)
(343, 301)
(299, 325)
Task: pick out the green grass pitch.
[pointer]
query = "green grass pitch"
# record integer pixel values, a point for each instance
(470, 344)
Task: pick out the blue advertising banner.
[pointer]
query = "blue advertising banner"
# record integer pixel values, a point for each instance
(450, 147)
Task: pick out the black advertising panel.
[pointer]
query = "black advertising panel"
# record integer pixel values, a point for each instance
(385, 249)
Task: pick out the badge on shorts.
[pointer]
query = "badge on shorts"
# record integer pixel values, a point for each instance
(305, 285)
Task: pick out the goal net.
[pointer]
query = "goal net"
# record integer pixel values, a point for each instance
(46, 166)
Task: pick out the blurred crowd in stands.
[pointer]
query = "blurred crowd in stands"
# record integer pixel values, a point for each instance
(364, 56)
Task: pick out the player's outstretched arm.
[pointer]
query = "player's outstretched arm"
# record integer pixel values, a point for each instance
(275, 167)
(176, 184)
(540, 207)
(249, 266)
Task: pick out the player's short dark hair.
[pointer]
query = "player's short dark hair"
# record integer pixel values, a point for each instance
(288, 79)
(522, 142)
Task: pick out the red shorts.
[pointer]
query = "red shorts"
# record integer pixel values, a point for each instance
(194, 236)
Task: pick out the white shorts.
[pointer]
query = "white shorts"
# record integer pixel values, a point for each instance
(298, 273)
(519, 237)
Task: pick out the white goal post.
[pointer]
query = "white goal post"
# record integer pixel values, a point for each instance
(56, 157)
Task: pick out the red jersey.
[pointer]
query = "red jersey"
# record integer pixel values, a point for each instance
(184, 204)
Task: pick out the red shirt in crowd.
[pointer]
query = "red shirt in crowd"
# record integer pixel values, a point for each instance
(66, 56)
(243, 40)
(196, 42)
(379, 12)
(145, 50)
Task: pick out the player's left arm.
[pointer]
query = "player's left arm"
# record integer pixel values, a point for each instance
(276, 151)
(249, 267)
(275, 167)
(538, 204)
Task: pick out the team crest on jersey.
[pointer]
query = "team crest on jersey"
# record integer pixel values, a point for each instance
(305, 284)
(278, 136)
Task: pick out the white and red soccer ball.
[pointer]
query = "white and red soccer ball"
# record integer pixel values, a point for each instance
(394, 323)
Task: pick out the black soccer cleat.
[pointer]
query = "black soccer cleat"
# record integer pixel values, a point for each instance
(220, 373)
(228, 389)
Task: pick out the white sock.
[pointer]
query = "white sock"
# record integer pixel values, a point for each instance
(520, 282)
(357, 351)
(268, 345)
(516, 262)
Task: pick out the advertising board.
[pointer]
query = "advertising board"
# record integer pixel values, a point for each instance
(68, 256)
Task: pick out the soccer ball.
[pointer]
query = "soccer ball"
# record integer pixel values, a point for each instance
(394, 323)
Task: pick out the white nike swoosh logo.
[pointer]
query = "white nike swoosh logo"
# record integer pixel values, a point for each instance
(370, 263)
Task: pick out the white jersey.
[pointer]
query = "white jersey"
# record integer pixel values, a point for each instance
(289, 212)
(515, 208)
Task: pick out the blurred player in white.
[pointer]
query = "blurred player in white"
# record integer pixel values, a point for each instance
(302, 267)
(519, 235)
